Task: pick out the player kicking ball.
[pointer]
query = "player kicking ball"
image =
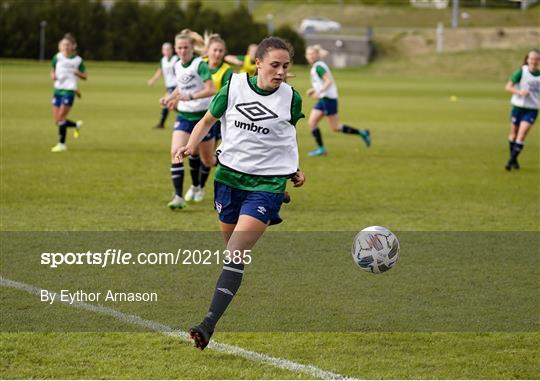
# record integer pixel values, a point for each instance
(258, 117)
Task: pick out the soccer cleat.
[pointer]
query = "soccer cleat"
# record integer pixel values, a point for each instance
(286, 198)
(508, 167)
(190, 194)
(76, 130)
(321, 151)
(515, 164)
(59, 147)
(199, 195)
(177, 203)
(200, 336)
(366, 136)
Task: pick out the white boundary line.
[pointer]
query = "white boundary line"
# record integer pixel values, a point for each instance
(184, 336)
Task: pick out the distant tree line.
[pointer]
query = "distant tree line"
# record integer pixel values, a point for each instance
(126, 30)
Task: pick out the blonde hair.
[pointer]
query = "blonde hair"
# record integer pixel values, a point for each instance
(196, 40)
(210, 38)
(318, 49)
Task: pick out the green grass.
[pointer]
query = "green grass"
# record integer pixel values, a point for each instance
(436, 166)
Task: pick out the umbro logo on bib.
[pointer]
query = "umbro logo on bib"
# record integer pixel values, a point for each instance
(186, 78)
(255, 111)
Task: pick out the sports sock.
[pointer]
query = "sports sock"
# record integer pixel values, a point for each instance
(70, 123)
(204, 173)
(317, 135)
(62, 131)
(164, 113)
(177, 176)
(511, 143)
(518, 147)
(194, 168)
(227, 285)
(349, 130)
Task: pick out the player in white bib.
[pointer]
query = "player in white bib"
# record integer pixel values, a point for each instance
(525, 88)
(324, 89)
(67, 67)
(166, 69)
(191, 98)
(258, 154)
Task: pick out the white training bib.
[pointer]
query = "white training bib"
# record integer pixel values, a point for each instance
(188, 82)
(258, 138)
(167, 69)
(531, 83)
(65, 72)
(317, 82)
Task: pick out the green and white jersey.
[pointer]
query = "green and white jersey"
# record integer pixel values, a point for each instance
(190, 78)
(523, 79)
(64, 69)
(259, 136)
(318, 70)
(167, 69)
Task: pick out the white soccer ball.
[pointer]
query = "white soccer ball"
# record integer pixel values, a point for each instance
(375, 249)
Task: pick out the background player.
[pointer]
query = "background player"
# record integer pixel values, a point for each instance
(249, 192)
(191, 97)
(525, 88)
(166, 69)
(247, 61)
(67, 67)
(324, 89)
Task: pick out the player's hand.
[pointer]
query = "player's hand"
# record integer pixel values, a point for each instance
(78, 93)
(150, 82)
(171, 103)
(184, 97)
(298, 179)
(310, 92)
(524, 92)
(179, 153)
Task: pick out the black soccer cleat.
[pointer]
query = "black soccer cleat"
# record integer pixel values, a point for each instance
(200, 336)
(515, 164)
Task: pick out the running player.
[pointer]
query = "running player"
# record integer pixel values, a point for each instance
(67, 67)
(525, 88)
(247, 61)
(166, 69)
(324, 89)
(221, 73)
(258, 154)
(191, 98)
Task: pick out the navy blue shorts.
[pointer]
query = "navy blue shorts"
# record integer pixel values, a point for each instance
(230, 203)
(185, 125)
(217, 130)
(327, 106)
(65, 100)
(170, 89)
(519, 115)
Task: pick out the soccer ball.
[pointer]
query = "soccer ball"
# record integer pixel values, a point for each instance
(375, 249)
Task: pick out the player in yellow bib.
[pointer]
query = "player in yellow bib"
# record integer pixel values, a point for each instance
(247, 61)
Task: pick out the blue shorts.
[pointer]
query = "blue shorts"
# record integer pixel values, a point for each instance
(519, 115)
(185, 125)
(170, 89)
(217, 130)
(230, 203)
(327, 106)
(65, 100)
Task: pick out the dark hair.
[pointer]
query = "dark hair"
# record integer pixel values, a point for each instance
(271, 43)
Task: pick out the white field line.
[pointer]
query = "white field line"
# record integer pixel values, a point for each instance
(184, 336)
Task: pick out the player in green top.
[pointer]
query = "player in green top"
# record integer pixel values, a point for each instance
(258, 154)
(67, 67)
(247, 61)
(525, 88)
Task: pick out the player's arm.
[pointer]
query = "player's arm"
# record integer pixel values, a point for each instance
(511, 84)
(232, 59)
(81, 72)
(327, 82)
(155, 77)
(53, 75)
(200, 130)
(170, 100)
(208, 90)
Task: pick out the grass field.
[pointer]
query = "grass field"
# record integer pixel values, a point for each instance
(461, 303)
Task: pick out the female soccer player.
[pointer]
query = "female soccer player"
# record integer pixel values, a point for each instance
(258, 154)
(525, 88)
(221, 73)
(67, 66)
(325, 90)
(166, 69)
(191, 97)
(247, 61)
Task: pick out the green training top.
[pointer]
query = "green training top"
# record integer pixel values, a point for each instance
(234, 179)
